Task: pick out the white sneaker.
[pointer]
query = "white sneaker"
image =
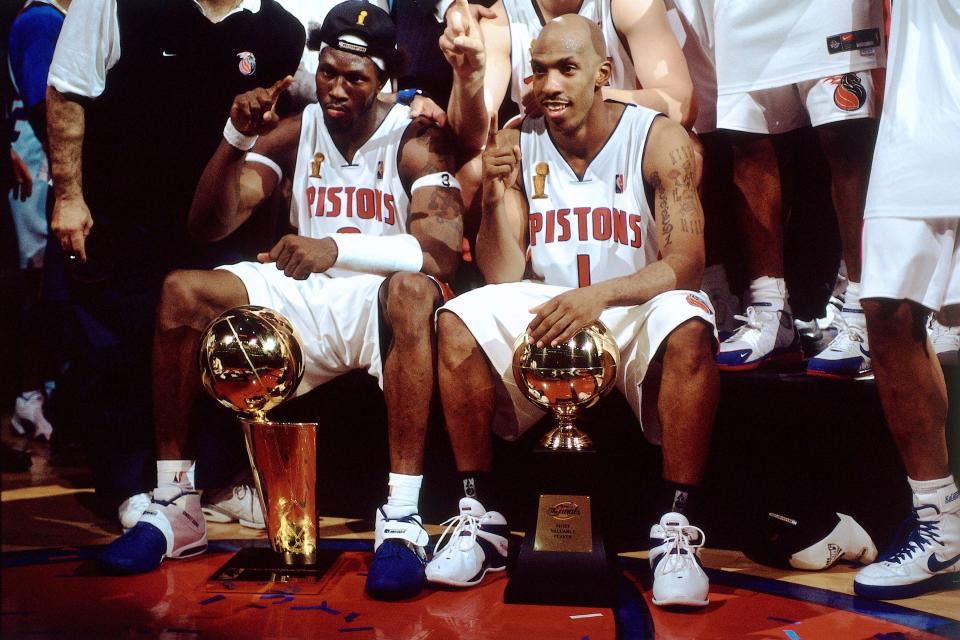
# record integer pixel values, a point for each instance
(132, 508)
(832, 320)
(678, 578)
(847, 357)
(240, 503)
(477, 541)
(28, 416)
(847, 541)
(926, 556)
(764, 337)
(946, 341)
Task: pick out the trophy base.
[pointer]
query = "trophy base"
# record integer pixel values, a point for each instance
(253, 569)
(564, 578)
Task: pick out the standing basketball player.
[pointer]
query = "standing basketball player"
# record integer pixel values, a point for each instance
(571, 185)
(911, 265)
(372, 196)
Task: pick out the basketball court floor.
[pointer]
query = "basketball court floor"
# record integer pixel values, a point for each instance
(51, 588)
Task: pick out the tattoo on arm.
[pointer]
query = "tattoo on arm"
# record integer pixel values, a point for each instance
(663, 209)
(684, 190)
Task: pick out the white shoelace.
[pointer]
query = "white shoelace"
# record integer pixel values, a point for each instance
(679, 550)
(454, 527)
(847, 334)
(751, 321)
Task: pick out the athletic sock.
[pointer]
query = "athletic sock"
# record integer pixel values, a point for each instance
(941, 493)
(404, 492)
(472, 481)
(852, 312)
(677, 497)
(769, 293)
(174, 472)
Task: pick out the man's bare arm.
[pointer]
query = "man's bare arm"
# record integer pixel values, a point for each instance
(657, 59)
(231, 188)
(501, 240)
(481, 72)
(71, 221)
(436, 211)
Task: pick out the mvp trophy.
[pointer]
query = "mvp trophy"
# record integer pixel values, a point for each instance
(251, 361)
(565, 561)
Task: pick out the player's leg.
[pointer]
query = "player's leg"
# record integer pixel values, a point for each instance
(689, 391)
(768, 334)
(408, 302)
(172, 525)
(907, 261)
(843, 110)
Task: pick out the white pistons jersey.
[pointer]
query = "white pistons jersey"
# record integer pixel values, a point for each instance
(596, 228)
(364, 195)
(526, 23)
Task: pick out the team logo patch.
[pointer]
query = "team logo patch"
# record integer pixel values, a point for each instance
(316, 164)
(618, 183)
(248, 63)
(540, 173)
(380, 170)
(849, 93)
(695, 301)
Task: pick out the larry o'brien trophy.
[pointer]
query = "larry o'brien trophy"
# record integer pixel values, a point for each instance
(565, 561)
(251, 361)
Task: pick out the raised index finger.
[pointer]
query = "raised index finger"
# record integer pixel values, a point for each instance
(279, 87)
(492, 133)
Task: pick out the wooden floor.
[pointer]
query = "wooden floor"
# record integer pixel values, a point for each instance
(48, 507)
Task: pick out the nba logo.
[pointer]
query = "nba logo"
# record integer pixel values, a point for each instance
(618, 183)
(380, 170)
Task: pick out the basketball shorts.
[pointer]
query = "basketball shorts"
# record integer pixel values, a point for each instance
(817, 102)
(497, 314)
(912, 259)
(337, 318)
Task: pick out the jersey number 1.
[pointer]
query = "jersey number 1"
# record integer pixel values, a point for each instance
(583, 270)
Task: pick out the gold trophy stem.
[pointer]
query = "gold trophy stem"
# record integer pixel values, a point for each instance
(566, 436)
(284, 464)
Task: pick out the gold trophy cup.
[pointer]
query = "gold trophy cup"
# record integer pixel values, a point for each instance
(251, 361)
(565, 561)
(540, 173)
(566, 379)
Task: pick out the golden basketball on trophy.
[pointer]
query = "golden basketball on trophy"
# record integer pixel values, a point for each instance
(540, 173)
(566, 379)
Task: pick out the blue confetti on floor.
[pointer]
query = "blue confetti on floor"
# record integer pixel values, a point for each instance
(791, 634)
(350, 617)
(344, 629)
(213, 599)
(256, 606)
(787, 620)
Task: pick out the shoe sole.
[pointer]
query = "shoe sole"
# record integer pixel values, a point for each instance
(218, 517)
(782, 358)
(456, 583)
(189, 551)
(866, 375)
(681, 602)
(943, 582)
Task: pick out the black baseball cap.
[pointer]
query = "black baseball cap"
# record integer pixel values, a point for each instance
(361, 28)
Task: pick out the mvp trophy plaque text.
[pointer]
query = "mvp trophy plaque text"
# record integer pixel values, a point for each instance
(565, 561)
(251, 361)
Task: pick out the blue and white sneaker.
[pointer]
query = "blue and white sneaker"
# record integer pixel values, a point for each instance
(477, 541)
(765, 337)
(400, 554)
(678, 577)
(171, 527)
(925, 557)
(847, 357)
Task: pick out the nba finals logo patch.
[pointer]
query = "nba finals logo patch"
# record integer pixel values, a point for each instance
(248, 63)
(618, 183)
(540, 173)
(380, 170)
(849, 93)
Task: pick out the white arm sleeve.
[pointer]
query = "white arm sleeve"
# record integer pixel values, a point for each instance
(378, 254)
(89, 46)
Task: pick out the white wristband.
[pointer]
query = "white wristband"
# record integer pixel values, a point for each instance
(378, 254)
(439, 179)
(236, 139)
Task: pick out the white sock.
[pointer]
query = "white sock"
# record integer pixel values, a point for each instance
(852, 312)
(404, 491)
(174, 472)
(770, 293)
(942, 493)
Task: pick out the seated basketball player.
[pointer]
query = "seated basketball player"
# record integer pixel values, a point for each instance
(600, 248)
(378, 218)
